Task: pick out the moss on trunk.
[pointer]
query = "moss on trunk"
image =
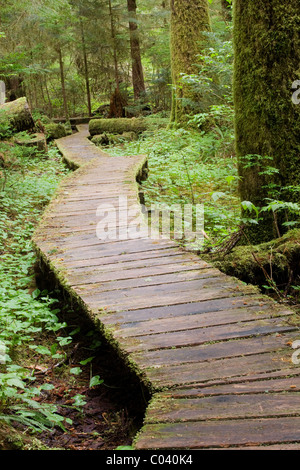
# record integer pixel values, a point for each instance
(189, 18)
(267, 61)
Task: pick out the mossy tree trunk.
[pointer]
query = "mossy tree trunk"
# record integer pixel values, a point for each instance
(267, 123)
(189, 18)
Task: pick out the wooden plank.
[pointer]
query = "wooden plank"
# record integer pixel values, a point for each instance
(200, 320)
(114, 249)
(109, 284)
(217, 350)
(128, 302)
(261, 405)
(287, 369)
(189, 307)
(197, 336)
(271, 385)
(219, 370)
(178, 289)
(219, 434)
(99, 260)
(126, 269)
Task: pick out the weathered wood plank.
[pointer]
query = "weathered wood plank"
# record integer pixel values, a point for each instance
(199, 336)
(109, 285)
(189, 307)
(217, 350)
(219, 434)
(201, 320)
(261, 405)
(271, 385)
(222, 369)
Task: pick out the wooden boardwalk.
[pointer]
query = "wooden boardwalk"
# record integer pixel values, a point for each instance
(216, 354)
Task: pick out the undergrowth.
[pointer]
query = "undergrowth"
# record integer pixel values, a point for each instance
(28, 179)
(190, 166)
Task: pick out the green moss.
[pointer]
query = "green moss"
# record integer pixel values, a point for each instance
(267, 123)
(55, 131)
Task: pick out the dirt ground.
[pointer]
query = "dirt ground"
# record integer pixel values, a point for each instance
(113, 412)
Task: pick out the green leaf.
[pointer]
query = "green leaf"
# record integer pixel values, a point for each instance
(86, 361)
(95, 381)
(16, 382)
(124, 448)
(75, 370)
(35, 293)
(41, 350)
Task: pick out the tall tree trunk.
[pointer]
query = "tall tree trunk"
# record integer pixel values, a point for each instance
(137, 68)
(113, 36)
(267, 123)
(189, 18)
(49, 99)
(62, 79)
(86, 70)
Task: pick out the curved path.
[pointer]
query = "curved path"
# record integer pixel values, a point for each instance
(216, 354)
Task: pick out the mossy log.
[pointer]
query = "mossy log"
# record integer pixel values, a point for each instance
(117, 126)
(18, 114)
(55, 131)
(278, 260)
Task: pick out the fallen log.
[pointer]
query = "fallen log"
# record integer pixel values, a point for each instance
(18, 114)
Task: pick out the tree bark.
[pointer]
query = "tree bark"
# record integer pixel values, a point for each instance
(137, 68)
(113, 36)
(267, 123)
(49, 99)
(86, 70)
(189, 18)
(62, 79)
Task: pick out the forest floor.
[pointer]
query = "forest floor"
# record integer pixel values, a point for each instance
(43, 367)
